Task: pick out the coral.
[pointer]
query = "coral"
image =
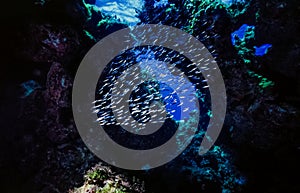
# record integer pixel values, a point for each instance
(58, 86)
(241, 39)
(244, 33)
(120, 11)
(88, 34)
(50, 43)
(264, 82)
(215, 167)
(197, 9)
(102, 179)
(262, 50)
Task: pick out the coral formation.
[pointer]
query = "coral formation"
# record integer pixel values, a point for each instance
(102, 179)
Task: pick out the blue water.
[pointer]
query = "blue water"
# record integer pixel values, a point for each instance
(171, 100)
(179, 103)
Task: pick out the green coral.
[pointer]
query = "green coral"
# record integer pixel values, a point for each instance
(109, 21)
(108, 188)
(96, 175)
(88, 34)
(198, 8)
(264, 82)
(106, 19)
(171, 8)
(89, 9)
(242, 45)
(102, 179)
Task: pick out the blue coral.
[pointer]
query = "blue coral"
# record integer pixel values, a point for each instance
(241, 33)
(262, 50)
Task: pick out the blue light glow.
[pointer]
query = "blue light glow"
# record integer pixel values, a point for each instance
(171, 101)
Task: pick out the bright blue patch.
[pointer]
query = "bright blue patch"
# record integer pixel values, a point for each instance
(240, 33)
(262, 50)
(124, 10)
(171, 100)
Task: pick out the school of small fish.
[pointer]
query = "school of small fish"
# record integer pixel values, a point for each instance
(168, 92)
